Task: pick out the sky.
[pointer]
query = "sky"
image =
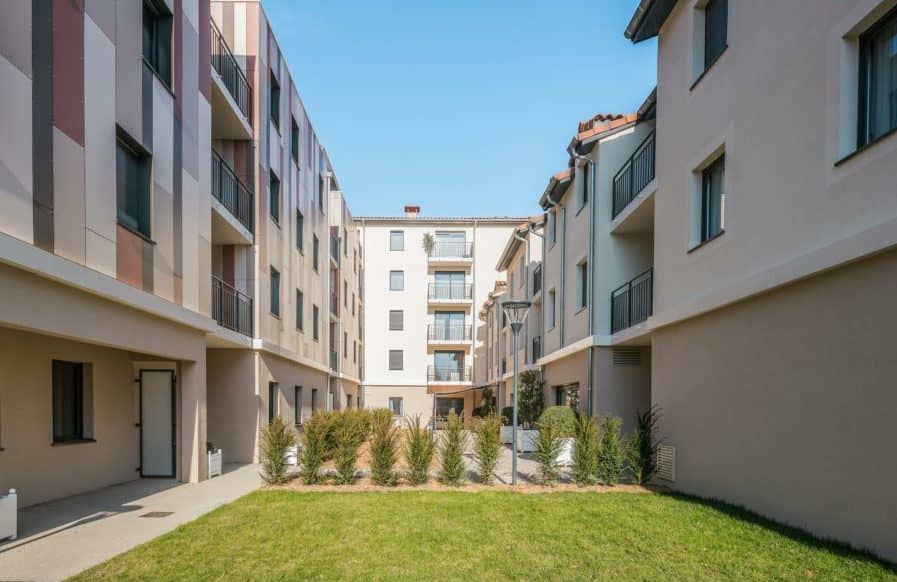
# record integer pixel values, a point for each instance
(462, 107)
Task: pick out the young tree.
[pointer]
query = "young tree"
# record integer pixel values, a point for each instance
(531, 398)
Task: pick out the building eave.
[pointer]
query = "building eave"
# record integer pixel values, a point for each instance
(648, 19)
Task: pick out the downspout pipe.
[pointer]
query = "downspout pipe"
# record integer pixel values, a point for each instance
(589, 167)
(526, 289)
(560, 212)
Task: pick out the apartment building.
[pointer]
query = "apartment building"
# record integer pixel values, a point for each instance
(422, 278)
(521, 263)
(775, 226)
(597, 268)
(281, 271)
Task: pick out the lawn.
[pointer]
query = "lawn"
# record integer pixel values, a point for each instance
(494, 535)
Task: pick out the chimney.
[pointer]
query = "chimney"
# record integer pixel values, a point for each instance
(412, 211)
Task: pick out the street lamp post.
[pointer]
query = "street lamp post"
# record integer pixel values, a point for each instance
(516, 312)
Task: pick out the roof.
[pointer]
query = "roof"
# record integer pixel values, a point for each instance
(557, 186)
(445, 219)
(648, 19)
(497, 291)
(592, 130)
(514, 243)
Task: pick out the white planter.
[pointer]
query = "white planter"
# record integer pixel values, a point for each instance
(291, 455)
(8, 510)
(213, 463)
(507, 434)
(526, 440)
(565, 456)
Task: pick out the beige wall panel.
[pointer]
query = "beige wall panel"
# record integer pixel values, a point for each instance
(100, 253)
(163, 137)
(622, 391)
(204, 282)
(204, 193)
(16, 202)
(103, 16)
(68, 198)
(163, 250)
(128, 73)
(571, 369)
(233, 403)
(191, 242)
(415, 400)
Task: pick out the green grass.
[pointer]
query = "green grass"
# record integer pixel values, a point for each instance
(495, 535)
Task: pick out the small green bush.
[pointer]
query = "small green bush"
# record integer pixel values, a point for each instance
(384, 448)
(585, 451)
(315, 432)
(562, 418)
(548, 446)
(452, 451)
(641, 450)
(349, 434)
(507, 416)
(419, 450)
(275, 439)
(531, 398)
(487, 445)
(611, 454)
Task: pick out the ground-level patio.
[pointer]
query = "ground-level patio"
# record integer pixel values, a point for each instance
(60, 538)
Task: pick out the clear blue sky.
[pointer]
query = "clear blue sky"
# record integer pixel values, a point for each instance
(464, 107)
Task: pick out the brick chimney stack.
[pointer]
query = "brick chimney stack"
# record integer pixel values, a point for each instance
(412, 211)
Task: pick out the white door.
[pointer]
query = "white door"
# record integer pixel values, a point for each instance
(157, 423)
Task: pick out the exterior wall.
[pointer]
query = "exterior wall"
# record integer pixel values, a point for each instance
(348, 291)
(783, 402)
(235, 404)
(415, 400)
(622, 390)
(573, 368)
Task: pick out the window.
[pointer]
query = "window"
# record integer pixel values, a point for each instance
(582, 284)
(68, 402)
(272, 401)
(345, 293)
(583, 185)
(132, 185)
(560, 396)
(300, 231)
(345, 242)
(348, 401)
(397, 240)
(314, 400)
(553, 227)
(274, 191)
(396, 359)
(315, 320)
(395, 405)
(355, 261)
(275, 292)
(274, 101)
(314, 252)
(878, 80)
(321, 193)
(537, 348)
(396, 320)
(713, 200)
(294, 140)
(353, 303)
(157, 39)
(716, 15)
(397, 280)
(551, 308)
(345, 345)
(300, 310)
(354, 352)
(297, 405)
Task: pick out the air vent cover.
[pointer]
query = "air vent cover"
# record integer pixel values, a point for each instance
(627, 357)
(666, 463)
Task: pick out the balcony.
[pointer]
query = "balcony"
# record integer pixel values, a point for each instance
(448, 374)
(636, 173)
(631, 303)
(449, 334)
(231, 308)
(454, 293)
(448, 253)
(236, 199)
(231, 93)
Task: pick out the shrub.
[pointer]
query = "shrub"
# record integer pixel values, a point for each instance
(452, 452)
(487, 445)
(585, 451)
(548, 445)
(610, 455)
(641, 450)
(384, 448)
(531, 398)
(507, 415)
(314, 447)
(486, 407)
(349, 434)
(276, 438)
(562, 418)
(419, 451)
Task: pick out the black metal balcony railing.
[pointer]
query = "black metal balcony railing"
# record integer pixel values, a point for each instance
(448, 374)
(537, 279)
(230, 191)
(334, 360)
(631, 303)
(636, 173)
(231, 308)
(452, 250)
(231, 73)
(450, 291)
(449, 333)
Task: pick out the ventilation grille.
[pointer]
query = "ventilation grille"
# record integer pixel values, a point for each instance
(666, 463)
(627, 357)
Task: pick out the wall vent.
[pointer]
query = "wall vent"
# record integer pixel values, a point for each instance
(666, 463)
(627, 357)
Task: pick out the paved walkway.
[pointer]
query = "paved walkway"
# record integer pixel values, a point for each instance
(63, 537)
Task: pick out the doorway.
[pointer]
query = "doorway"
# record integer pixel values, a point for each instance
(157, 423)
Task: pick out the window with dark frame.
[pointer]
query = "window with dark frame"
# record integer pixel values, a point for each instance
(132, 185)
(275, 292)
(315, 321)
(321, 193)
(396, 359)
(68, 401)
(314, 252)
(345, 293)
(300, 231)
(297, 405)
(345, 345)
(274, 101)
(396, 320)
(294, 140)
(314, 400)
(878, 80)
(300, 310)
(716, 16)
(395, 405)
(584, 185)
(582, 275)
(274, 191)
(157, 26)
(712, 199)
(272, 401)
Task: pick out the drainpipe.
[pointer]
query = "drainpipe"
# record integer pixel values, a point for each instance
(560, 213)
(542, 264)
(590, 168)
(526, 289)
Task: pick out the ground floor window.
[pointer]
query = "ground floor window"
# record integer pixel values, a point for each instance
(272, 401)
(446, 405)
(348, 401)
(314, 400)
(69, 400)
(395, 405)
(297, 405)
(560, 396)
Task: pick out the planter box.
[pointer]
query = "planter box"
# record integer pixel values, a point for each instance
(213, 463)
(565, 456)
(291, 456)
(507, 434)
(9, 507)
(526, 440)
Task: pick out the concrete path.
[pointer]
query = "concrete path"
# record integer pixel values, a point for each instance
(63, 537)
